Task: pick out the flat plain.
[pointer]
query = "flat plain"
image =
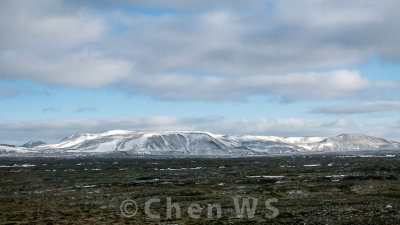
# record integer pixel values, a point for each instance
(309, 189)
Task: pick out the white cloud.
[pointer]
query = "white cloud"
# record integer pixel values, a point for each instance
(43, 25)
(242, 48)
(19, 131)
(86, 68)
(179, 4)
(291, 87)
(53, 43)
(364, 107)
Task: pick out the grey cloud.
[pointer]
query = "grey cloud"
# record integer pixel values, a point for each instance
(304, 36)
(178, 4)
(85, 109)
(9, 91)
(18, 132)
(51, 109)
(365, 107)
(6, 92)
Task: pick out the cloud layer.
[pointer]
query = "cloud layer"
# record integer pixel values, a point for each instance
(18, 132)
(365, 107)
(8, 91)
(262, 47)
(291, 87)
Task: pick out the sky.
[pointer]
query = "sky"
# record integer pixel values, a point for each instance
(261, 67)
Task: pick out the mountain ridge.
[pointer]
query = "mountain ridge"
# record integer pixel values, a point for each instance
(200, 143)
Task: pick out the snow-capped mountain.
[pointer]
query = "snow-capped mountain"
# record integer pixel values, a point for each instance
(353, 142)
(200, 143)
(13, 149)
(166, 142)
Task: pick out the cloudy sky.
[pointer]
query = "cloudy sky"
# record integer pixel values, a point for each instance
(292, 68)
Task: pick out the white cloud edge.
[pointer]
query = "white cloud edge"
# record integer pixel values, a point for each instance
(20, 131)
(359, 108)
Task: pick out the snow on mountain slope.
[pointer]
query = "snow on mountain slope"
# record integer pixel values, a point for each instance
(13, 149)
(277, 144)
(182, 142)
(203, 143)
(289, 140)
(353, 142)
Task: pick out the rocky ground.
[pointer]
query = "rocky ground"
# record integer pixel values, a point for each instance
(312, 189)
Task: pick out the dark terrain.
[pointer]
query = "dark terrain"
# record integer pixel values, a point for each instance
(330, 189)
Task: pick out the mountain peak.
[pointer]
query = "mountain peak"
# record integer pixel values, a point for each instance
(31, 144)
(205, 143)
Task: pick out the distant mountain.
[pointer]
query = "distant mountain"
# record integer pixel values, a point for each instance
(4, 148)
(200, 143)
(354, 141)
(32, 144)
